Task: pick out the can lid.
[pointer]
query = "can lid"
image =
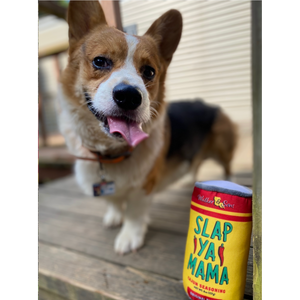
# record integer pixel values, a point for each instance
(226, 187)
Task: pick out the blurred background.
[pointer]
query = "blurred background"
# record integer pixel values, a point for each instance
(212, 62)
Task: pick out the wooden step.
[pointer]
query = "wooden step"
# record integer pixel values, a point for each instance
(76, 257)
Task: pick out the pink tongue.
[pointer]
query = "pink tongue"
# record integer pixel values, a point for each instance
(131, 131)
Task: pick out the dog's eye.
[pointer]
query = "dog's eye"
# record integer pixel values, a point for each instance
(148, 72)
(100, 62)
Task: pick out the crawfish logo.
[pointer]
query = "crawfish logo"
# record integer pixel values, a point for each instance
(218, 202)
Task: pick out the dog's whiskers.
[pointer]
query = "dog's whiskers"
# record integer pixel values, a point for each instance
(153, 112)
(149, 84)
(155, 103)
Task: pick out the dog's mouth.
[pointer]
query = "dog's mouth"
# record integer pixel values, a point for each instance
(119, 126)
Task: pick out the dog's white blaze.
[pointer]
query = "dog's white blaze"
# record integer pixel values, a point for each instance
(103, 100)
(132, 42)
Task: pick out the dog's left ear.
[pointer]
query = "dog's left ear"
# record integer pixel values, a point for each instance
(166, 31)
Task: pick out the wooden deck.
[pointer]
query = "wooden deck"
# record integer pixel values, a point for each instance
(76, 257)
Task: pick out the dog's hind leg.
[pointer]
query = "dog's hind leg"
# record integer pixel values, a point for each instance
(223, 142)
(195, 166)
(191, 176)
(224, 155)
(227, 170)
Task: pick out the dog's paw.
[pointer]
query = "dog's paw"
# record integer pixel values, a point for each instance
(112, 218)
(130, 238)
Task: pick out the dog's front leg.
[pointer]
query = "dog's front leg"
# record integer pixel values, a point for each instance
(132, 234)
(113, 215)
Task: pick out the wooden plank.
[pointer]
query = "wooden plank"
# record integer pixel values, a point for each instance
(63, 184)
(172, 216)
(76, 276)
(257, 145)
(64, 274)
(45, 295)
(68, 184)
(168, 213)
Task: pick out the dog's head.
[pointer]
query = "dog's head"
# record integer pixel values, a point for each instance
(117, 77)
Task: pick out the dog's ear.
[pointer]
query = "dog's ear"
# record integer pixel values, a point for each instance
(83, 16)
(166, 31)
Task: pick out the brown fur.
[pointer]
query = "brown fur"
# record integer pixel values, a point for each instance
(156, 172)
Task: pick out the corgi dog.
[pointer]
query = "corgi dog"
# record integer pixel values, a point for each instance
(114, 119)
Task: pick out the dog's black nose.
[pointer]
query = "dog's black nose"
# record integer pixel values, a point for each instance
(127, 97)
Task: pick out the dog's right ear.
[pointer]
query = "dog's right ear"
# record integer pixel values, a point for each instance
(82, 17)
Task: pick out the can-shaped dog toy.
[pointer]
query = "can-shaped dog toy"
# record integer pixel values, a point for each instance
(218, 241)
